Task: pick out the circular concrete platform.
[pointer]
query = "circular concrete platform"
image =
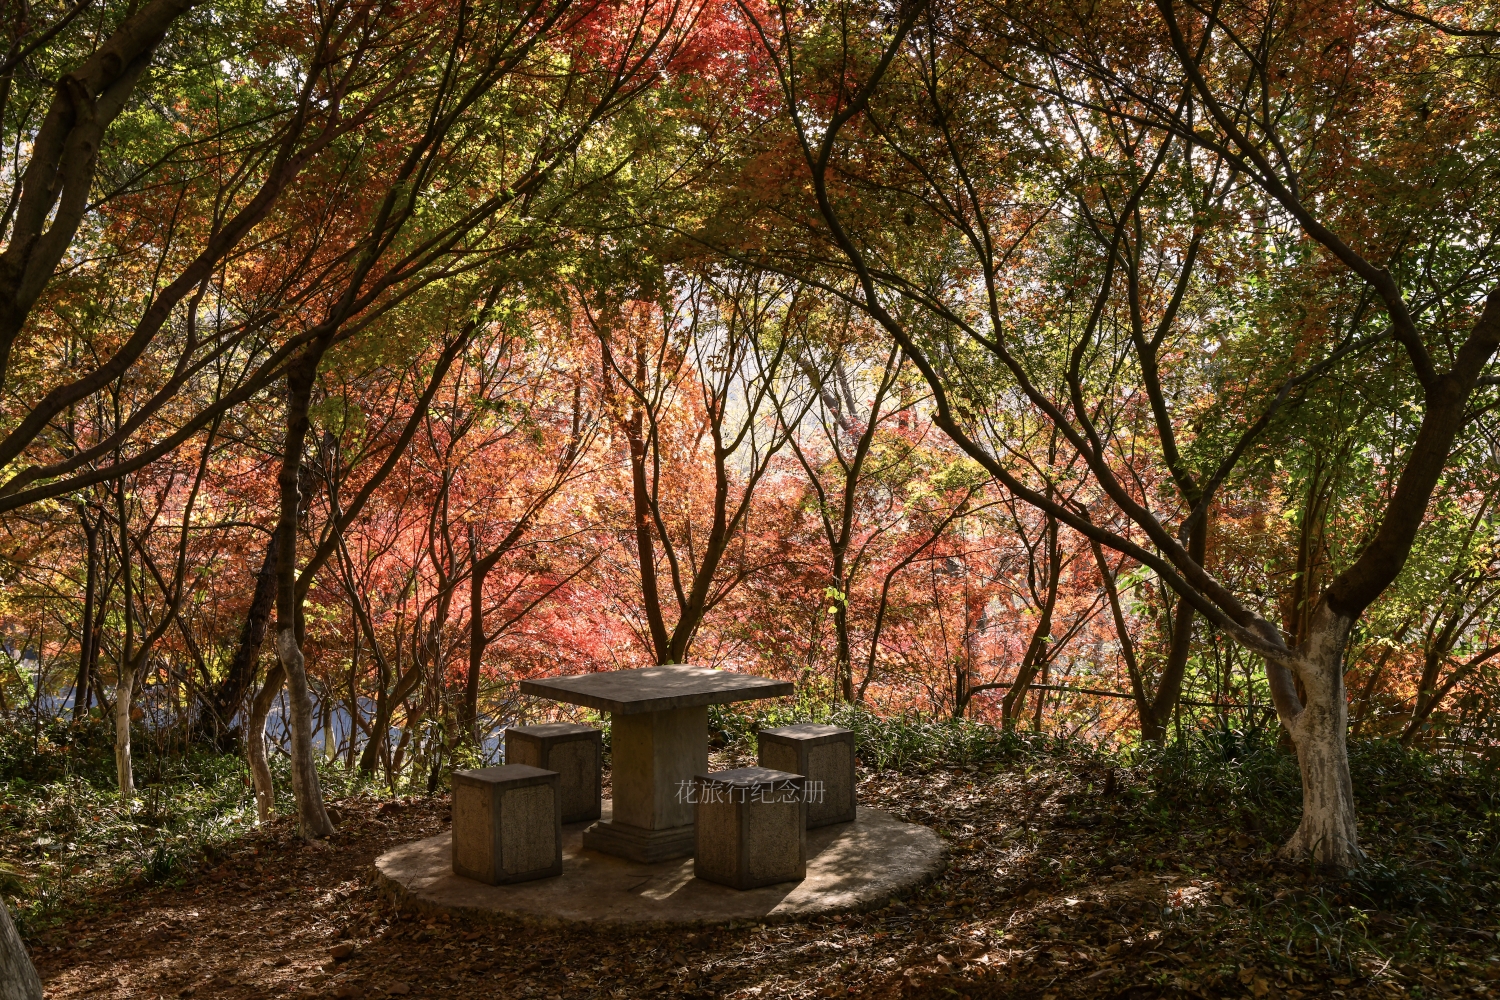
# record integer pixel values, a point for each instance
(850, 866)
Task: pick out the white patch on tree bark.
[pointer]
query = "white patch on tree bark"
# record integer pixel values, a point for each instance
(1328, 833)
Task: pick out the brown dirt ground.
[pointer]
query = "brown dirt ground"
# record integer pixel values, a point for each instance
(1043, 898)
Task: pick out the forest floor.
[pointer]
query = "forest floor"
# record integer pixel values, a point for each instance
(1066, 878)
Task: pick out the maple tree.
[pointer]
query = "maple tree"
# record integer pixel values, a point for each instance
(1160, 112)
(1038, 364)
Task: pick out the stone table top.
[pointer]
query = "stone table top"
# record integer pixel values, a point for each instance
(655, 689)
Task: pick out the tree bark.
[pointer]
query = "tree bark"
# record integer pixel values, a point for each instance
(312, 818)
(55, 188)
(469, 720)
(84, 683)
(1319, 730)
(355, 722)
(124, 693)
(255, 743)
(239, 678)
(125, 666)
(18, 978)
(1037, 651)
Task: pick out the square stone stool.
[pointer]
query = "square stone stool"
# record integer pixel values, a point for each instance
(825, 755)
(507, 824)
(574, 752)
(751, 827)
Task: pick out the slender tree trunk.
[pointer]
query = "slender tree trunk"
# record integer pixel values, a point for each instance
(469, 720)
(125, 672)
(239, 678)
(380, 728)
(96, 642)
(844, 666)
(312, 818)
(325, 723)
(1037, 651)
(1041, 697)
(386, 700)
(255, 743)
(1169, 685)
(84, 684)
(124, 692)
(645, 546)
(354, 718)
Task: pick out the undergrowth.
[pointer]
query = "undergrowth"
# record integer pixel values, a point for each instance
(65, 831)
(1430, 821)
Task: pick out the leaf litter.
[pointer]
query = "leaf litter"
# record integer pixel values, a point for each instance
(1052, 890)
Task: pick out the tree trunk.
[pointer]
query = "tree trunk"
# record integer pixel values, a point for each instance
(312, 818)
(468, 722)
(18, 978)
(224, 703)
(1319, 728)
(124, 691)
(325, 725)
(96, 640)
(1038, 651)
(380, 728)
(354, 716)
(1169, 685)
(125, 666)
(386, 700)
(844, 665)
(255, 743)
(84, 683)
(645, 549)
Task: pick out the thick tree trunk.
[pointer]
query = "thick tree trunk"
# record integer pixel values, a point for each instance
(18, 978)
(1319, 728)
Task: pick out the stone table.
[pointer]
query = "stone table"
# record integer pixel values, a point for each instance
(659, 741)
(850, 866)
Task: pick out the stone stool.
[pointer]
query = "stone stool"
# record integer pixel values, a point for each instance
(750, 827)
(825, 755)
(574, 752)
(507, 824)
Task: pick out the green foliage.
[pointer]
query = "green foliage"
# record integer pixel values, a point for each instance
(65, 832)
(1430, 821)
(909, 741)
